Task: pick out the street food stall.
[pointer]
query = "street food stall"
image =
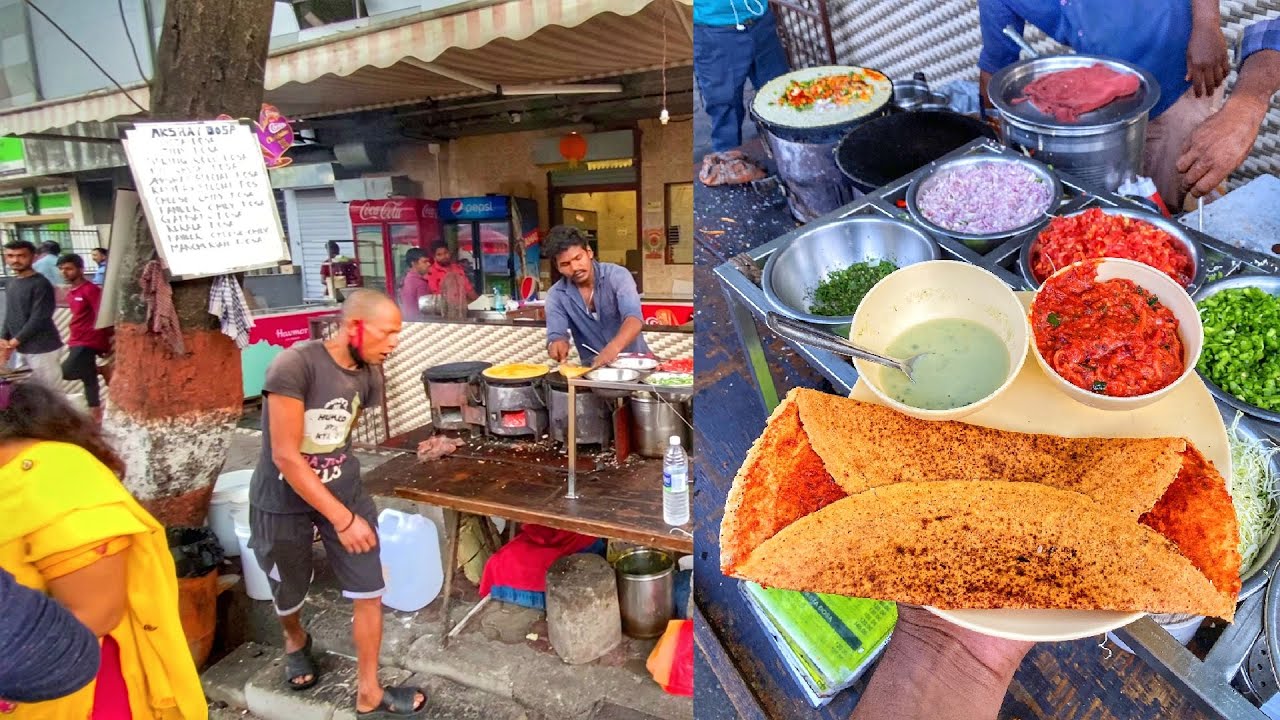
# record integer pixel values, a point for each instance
(980, 237)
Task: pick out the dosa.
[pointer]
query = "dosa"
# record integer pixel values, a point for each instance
(840, 496)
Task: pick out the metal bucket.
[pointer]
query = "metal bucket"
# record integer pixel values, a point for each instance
(646, 587)
(653, 422)
(815, 186)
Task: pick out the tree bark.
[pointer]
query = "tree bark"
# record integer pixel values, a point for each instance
(171, 416)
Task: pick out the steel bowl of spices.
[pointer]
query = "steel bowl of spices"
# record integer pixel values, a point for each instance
(1241, 359)
(1115, 334)
(822, 275)
(982, 200)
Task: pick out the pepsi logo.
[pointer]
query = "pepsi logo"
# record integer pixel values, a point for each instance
(456, 207)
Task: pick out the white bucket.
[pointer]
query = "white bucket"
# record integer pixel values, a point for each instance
(230, 493)
(255, 579)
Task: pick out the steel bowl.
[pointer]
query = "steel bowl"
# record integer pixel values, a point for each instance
(1178, 232)
(1253, 578)
(792, 274)
(981, 242)
(1269, 284)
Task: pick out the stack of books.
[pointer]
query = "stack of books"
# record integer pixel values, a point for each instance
(827, 642)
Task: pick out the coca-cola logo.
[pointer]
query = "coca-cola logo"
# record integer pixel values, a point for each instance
(382, 211)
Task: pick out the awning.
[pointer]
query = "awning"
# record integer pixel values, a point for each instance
(510, 42)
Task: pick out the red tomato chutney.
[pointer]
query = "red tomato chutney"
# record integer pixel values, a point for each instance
(1096, 234)
(1111, 337)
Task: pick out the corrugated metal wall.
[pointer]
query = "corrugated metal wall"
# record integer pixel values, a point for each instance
(941, 38)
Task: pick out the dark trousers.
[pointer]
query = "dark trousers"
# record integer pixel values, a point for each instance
(82, 364)
(723, 59)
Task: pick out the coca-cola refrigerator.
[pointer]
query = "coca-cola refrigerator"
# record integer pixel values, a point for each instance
(385, 230)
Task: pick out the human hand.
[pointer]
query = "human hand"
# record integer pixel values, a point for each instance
(558, 350)
(1216, 148)
(607, 354)
(1207, 60)
(358, 537)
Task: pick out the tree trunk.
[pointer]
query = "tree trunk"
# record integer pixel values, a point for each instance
(171, 416)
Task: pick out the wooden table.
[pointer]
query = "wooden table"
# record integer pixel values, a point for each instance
(622, 503)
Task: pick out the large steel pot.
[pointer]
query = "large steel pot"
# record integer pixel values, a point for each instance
(1102, 148)
(653, 422)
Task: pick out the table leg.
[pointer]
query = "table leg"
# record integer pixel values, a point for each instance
(573, 442)
(452, 526)
(753, 350)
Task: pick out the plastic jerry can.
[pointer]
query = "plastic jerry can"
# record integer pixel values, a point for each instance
(410, 546)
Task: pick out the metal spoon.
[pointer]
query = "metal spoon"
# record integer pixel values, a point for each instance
(813, 337)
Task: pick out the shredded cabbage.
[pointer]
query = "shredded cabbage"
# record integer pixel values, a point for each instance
(1253, 492)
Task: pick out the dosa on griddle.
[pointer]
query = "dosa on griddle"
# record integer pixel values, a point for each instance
(985, 544)
(817, 449)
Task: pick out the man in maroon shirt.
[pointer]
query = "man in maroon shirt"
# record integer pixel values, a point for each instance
(414, 285)
(87, 343)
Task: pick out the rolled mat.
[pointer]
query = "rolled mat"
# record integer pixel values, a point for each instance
(844, 497)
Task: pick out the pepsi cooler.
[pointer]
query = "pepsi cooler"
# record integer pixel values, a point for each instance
(486, 234)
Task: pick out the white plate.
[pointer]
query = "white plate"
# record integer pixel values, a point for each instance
(643, 364)
(1034, 404)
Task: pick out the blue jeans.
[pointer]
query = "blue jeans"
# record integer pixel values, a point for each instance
(723, 58)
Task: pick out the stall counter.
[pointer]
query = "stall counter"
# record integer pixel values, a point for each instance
(273, 331)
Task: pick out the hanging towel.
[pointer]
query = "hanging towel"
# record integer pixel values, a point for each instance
(228, 304)
(162, 316)
(522, 564)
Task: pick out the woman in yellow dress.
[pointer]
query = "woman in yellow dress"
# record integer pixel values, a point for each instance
(69, 528)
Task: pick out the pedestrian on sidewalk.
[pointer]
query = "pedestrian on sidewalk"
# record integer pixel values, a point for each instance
(308, 479)
(72, 531)
(87, 343)
(29, 338)
(46, 262)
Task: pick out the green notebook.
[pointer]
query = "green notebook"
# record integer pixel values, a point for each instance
(833, 638)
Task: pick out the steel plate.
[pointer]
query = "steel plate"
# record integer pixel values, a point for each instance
(1269, 284)
(1008, 85)
(1253, 579)
(1178, 232)
(981, 242)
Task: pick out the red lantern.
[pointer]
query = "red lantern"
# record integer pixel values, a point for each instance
(573, 147)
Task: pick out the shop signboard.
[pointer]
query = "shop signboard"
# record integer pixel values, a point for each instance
(207, 196)
(488, 207)
(268, 337)
(13, 156)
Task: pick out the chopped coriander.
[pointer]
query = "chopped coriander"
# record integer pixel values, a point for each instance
(841, 291)
(1054, 320)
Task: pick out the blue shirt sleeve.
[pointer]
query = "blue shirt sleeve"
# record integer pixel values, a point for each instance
(624, 290)
(997, 49)
(1262, 35)
(45, 652)
(557, 317)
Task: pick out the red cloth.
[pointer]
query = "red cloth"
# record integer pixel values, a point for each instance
(522, 564)
(111, 695)
(438, 272)
(84, 301)
(1068, 94)
(681, 681)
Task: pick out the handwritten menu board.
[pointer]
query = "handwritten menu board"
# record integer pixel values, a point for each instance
(207, 196)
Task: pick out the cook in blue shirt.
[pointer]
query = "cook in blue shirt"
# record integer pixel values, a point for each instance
(1180, 42)
(1222, 142)
(596, 303)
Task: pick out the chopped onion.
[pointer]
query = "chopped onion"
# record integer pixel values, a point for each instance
(1253, 492)
(983, 198)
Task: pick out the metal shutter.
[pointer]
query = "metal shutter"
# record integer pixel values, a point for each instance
(321, 218)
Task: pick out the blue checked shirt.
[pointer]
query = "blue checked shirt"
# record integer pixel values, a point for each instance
(1262, 35)
(616, 299)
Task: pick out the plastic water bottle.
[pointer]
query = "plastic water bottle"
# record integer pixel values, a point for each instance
(675, 484)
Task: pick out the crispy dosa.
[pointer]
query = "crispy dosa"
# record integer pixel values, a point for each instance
(985, 544)
(818, 451)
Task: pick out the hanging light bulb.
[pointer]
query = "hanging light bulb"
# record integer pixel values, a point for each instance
(664, 116)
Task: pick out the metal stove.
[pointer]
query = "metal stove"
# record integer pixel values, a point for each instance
(454, 393)
(595, 413)
(515, 408)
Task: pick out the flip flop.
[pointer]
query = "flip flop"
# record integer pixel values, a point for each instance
(397, 703)
(299, 663)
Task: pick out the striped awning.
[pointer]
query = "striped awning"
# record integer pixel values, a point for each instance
(505, 43)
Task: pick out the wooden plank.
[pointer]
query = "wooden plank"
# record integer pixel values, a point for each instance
(744, 702)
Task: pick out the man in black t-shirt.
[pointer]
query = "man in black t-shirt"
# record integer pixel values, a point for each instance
(29, 335)
(308, 479)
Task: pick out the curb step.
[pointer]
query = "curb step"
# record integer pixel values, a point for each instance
(249, 684)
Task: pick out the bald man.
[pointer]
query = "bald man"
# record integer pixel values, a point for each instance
(308, 479)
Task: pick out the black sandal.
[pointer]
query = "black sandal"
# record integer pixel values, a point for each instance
(397, 703)
(300, 663)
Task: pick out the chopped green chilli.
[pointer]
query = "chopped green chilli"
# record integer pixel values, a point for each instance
(1242, 345)
(841, 291)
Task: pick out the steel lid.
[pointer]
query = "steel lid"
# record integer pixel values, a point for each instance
(764, 106)
(1008, 85)
(455, 372)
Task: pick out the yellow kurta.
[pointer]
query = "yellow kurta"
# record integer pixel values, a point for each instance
(56, 499)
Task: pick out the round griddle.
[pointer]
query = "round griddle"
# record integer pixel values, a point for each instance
(882, 150)
(837, 122)
(455, 372)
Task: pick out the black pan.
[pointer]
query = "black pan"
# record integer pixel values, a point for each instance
(882, 150)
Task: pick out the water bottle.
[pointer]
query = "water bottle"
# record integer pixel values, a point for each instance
(675, 484)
